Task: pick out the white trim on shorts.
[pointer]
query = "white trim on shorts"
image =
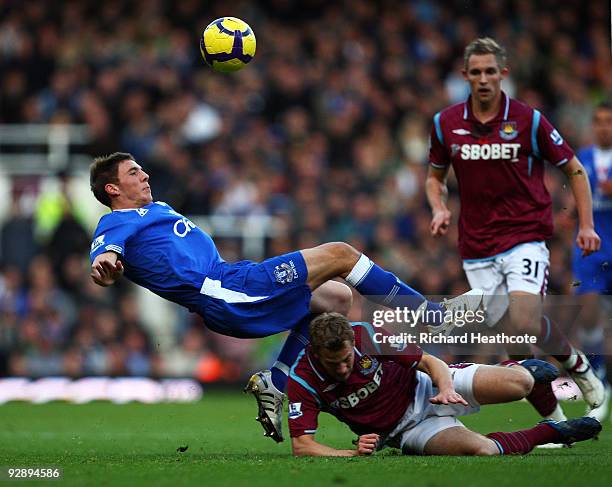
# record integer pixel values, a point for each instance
(214, 289)
(423, 420)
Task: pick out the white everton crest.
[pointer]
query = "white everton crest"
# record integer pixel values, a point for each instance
(285, 272)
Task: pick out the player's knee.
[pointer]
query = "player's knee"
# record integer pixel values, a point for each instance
(486, 448)
(341, 251)
(521, 384)
(332, 296)
(343, 297)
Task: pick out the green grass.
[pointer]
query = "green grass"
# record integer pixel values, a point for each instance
(136, 444)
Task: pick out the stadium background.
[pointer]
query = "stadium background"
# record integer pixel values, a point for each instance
(323, 137)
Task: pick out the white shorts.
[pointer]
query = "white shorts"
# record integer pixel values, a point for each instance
(422, 420)
(522, 268)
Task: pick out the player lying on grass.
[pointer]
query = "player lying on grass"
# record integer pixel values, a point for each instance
(165, 252)
(408, 399)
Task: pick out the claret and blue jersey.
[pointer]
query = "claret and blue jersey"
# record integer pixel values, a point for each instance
(166, 253)
(499, 168)
(373, 399)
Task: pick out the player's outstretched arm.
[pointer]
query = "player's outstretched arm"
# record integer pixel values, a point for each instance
(441, 377)
(306, 446)
(437, 195)
(587, 239)
(106, 269)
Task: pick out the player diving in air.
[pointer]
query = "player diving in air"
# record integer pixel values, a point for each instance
(407, 399)
(161, 250)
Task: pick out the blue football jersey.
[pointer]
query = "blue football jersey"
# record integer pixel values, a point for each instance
(161, 250)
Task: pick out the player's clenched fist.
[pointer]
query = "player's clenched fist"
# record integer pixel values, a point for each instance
(440, 222)
(366, 445)
(106, 269)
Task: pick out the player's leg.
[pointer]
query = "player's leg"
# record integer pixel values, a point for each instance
(331, 296)
(268, 386)
(594, 280)
(497, 384)
(459, 440)
(591, 331)
(554, 342)
(433, 429)
(339, 259)
(447, 436)
(491, 276)
(509, 381)
(437, 431)
(545, 433)
(526, 271)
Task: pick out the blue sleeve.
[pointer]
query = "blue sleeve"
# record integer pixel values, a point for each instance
(112, 233)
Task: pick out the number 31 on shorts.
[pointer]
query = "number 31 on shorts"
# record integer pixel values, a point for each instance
(531, 267)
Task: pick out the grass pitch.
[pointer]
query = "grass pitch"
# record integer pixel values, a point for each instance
(137, 444)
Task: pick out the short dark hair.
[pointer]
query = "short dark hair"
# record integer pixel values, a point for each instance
(102, 171)
(329, 331)
(485, 45)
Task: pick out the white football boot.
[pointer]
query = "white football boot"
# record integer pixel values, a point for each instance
(269, 402)
(600, 413)
(457, 306)
(592, 388)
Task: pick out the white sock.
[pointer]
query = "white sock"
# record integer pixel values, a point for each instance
(359, 271)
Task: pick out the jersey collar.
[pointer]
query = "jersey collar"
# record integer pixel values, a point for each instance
(312, 361)
(136, 209)
(504, 109)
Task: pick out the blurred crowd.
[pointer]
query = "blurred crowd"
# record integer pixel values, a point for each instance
(327, 131)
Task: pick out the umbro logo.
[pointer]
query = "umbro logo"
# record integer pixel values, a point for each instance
(142, 211)
(461, 132)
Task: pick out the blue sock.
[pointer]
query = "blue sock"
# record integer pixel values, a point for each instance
(295, 343)
(385, 288)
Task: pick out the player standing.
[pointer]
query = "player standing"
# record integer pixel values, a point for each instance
(165, 252)
(409, 400)
(594, 272)
(497, 147)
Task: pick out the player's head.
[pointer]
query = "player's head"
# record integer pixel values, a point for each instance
(118, 181)
(484, 68)
(602, 125)
(332, 340)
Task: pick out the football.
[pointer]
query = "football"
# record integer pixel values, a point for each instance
(227, 44)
